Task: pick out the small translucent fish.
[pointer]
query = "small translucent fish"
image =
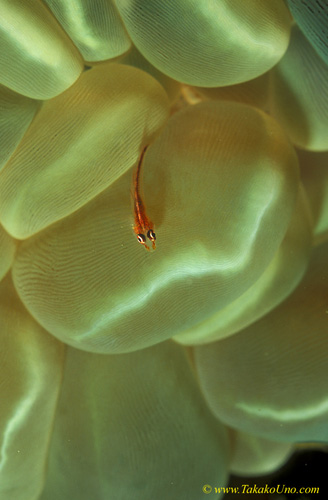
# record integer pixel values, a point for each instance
(143, 227)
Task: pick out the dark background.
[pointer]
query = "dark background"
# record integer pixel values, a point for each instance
(304, 469)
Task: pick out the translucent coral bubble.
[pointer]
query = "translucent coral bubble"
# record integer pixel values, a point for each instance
(271, 379)
(16, 114)
(37, 59)
(314, 175)
(220, 184)
(141, 426)
(312, 17)
(79, 144)
(208, 43)
(290, 261)
(134, 58)
(300, 94)
(254, 456)
(95, 27)
(31, 367)
(7, 252)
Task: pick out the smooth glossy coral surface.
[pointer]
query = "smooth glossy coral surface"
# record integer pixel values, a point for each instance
(138, 421)
(16, 114)
(37, 59)
(95, 27)
(287, 400)
(208, 43)
(314, 175)
(31, 366)
(7, 252)
(86, 280)
(300, 94)
(254, 456)
(94, 139)
(290, 261)
(312, 18)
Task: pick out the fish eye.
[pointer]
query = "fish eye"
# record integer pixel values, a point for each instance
(141, 238)
(151, 235)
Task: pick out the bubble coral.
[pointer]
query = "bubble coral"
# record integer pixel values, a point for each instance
(133, 374)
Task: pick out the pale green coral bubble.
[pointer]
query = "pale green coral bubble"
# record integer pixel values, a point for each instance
(299, 100)
(134, 426)
(95, 27)
(7, 252)
(16, 114)
(254, 456)
(312, 17)
(208, 43)
(314, 175)
(31, 368)
(79, 144)
(271, 379)
(134, 58)
(275, 284)
(37, 59)
(220, 184)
